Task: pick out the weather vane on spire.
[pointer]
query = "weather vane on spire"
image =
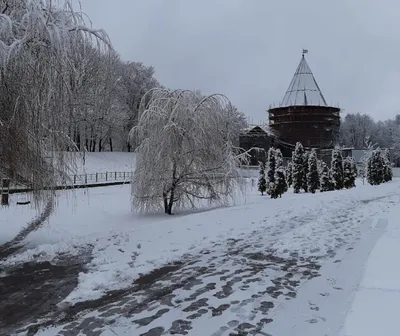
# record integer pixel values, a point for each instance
(305, 51)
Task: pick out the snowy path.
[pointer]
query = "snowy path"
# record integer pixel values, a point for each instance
(325, 301)
(377, 300)
(250, 269)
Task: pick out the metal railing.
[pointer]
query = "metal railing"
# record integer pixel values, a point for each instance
(101, 177)
(85, 179)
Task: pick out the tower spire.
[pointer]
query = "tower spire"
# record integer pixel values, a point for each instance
(303, 89)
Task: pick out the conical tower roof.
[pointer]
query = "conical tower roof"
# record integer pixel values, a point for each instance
(303, 89)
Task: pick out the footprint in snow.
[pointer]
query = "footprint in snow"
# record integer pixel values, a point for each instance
(338, 288)
(312, 321)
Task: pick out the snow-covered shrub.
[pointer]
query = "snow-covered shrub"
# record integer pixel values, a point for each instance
(325, 178)
(305, 170)
(289, 174)
(312, 174)
(280, 184)
(270, 170)
(262, 183)
(337, 169)
(388, 171)
(298, 168)
(348, 173)
(376, 168)
(354, 168)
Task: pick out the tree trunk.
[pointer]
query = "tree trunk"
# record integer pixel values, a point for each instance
(70, 136)
(78, 140)
(171, 201)
(100, 144)
(111, 144)
(129, 146)
(165, 197)
(172, 190)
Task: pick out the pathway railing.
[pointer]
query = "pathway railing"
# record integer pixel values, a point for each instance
(101, 177)
(85, 179)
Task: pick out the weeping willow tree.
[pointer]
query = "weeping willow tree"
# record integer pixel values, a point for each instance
(186, 151)
(39, 40)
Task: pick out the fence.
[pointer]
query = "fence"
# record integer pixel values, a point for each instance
(101, 177)
(82, 180)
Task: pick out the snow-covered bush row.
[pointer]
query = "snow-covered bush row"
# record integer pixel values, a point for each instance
(306, 172)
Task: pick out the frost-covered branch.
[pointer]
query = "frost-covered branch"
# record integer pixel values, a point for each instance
(40, 41)
(185, 151)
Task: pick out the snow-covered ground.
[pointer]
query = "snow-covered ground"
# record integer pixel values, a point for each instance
(377, 300)
(15, 217)
(101, 162)
(312, 248)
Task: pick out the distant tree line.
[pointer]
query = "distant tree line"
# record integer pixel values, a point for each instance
(358, 129)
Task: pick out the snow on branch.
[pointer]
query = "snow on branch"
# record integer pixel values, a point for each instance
(26, 25)
(43, 44)
(185, 151)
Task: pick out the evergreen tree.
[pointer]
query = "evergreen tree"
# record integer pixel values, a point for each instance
(319, 166)
(337, 169)
(262, 183)
(380, 159)
(289, 174)
(324, 178)
(305, 170)
(370, 169)
(278, 158)
(312, 175)
(388, 172)
(280, 185)
(331, 183)
(354, 169)
(270, 169)
(376, 168)
(298, 168)
(348, 173)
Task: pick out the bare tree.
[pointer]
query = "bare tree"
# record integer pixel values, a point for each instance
(355, 128)
(135, 80)
(185, 151)
(37, 40)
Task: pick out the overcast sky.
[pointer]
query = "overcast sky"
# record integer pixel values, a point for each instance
(249, 49)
